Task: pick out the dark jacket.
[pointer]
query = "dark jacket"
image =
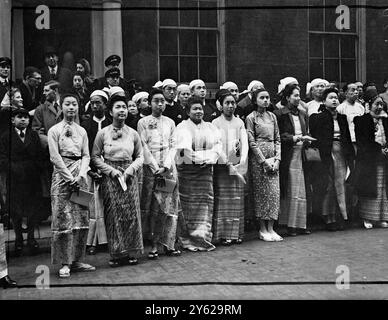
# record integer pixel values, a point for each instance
(244, 108)
(175, 112)
(29, 102)
(64, 76)
(322, 128)
(368, 152)
(101, 83)
(91, 128)
(210, 112)
(22, 162)
(287, 131)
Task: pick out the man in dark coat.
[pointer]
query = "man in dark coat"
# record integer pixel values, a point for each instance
(31, 88)
(198, 89)
(52, 71)
(5, 81)
(20, 157)
(173, 109)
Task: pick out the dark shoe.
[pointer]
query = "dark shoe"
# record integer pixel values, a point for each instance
(331, 227)
(33, 246)
(132, 261)
(115, 263)
(304, 231)
(7, 282)
(238, 241)
(92, 250)
(291, 232)
(152, 255)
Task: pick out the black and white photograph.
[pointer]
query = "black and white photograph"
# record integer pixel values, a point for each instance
(197, 152)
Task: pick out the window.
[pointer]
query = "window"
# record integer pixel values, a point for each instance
(332, 52)
(188, 40)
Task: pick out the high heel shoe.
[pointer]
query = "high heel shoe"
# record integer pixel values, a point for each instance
(7, 282)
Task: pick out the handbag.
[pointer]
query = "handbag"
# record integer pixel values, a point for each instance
(164, 184)
(81, 197)
(311, 154)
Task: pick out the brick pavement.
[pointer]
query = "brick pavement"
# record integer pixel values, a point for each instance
(245, 271)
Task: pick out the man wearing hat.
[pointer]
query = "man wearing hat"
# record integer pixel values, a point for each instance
(198, 89)
(113, 77)
(21, 158)
(98, 120)
(5, 82)
(173, 109)
(52, 71)
(315, 89)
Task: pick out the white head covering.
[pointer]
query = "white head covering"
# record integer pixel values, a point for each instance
(6, 102)
(286, 81)
(228, 85)
(168, 82)
(158, 85)
(182, 87)
(252, 84)
(115, 90)
(314, 83)
(140, 95)
(195, 83)
(99, 93)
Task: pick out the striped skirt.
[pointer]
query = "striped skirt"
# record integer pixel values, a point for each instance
(293, 207)
(228, 219)
(334, 200)
(122, 214)
(196, 198)
(376, 209)
(70, 221)
(3, 261)
(159, 211)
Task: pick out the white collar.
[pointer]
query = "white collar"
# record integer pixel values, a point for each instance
(98, 120)
(18, 131)
(2, 80)
(55, 68)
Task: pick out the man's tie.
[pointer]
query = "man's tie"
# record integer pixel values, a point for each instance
(21, 134)
(52, 71)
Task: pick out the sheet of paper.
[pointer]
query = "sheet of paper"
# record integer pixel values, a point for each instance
(122, 183)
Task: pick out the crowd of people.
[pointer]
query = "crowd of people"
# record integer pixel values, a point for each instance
(170, 167)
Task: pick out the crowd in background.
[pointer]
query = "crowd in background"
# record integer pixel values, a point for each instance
(169, 167)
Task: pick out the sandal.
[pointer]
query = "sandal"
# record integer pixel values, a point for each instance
(132, 261)
(82, 267)
(153, 255)
(64, 272)
(226, 242)
(173, 253)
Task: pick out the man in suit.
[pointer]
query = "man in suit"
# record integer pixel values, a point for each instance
(31, 89)
(97, 232)
(52, 71)
(173, 109)
(112, 79)
(5, 82)
(198, 89)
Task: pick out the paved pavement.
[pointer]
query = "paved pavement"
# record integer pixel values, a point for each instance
(302, 267)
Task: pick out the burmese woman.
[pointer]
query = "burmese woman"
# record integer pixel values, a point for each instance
(118, 154)
(371, 162)
(69, 153)
(293, 128)
(159, 206)
(198, 149)
(228, 220)
(337, 154)
(264, 160)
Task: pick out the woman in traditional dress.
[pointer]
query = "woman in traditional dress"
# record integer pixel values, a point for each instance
(121, 149)
(228, 220)
(371, 162)
(69, 153)
(293, 128)
(159, 207)
(198, 149)
(264, 160)
(336, 151)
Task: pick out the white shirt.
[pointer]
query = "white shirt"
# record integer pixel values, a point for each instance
(351, 111)
(53, 70)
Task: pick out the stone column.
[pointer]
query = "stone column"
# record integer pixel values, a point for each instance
(112, 30)
(5, 30)
(96, 26)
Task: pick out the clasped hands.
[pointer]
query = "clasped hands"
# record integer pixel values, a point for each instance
(75, 185)
(271, 165)
(128, 173)
(304, 139)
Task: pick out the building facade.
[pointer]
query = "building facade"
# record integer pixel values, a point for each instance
(216, 40)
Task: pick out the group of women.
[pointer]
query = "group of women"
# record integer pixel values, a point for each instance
(190, 182)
